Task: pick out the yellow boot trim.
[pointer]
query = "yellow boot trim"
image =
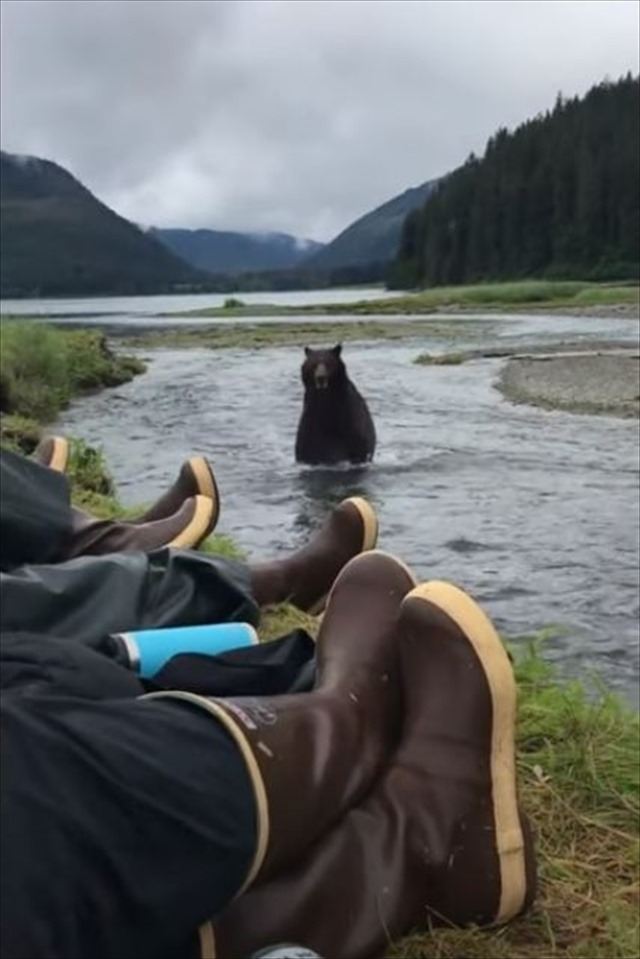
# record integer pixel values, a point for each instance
(369, 521)
(198, 526)
(218, 711)
(482, 636)
(369, 540)
(207, 940)
(60, 458)
(206, 483)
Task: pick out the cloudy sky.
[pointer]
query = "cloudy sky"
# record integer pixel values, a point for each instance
(292, 115)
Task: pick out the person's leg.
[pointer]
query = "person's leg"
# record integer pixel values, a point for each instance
(345, 727)
(351, 528)
(441, 839)
(38, 524)
(88, 598)
(123, 822)
(132, 820)
(196, 478)
(189, 526)
(35, 511)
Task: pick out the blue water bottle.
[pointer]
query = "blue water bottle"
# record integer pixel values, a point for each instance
(148, 650)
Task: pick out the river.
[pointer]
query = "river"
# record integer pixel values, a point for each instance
(536, 513)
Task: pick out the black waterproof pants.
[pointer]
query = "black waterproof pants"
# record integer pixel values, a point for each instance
(35, 511)
(126, 822)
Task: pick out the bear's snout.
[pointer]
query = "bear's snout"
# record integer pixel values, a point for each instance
(321, 377)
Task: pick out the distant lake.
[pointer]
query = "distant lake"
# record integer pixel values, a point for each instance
(132, 306)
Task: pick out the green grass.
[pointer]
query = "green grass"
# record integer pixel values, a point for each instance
(261, 335)
(523, 295)
(43, 367)
(519, 295)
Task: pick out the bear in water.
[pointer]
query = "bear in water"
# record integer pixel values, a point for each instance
(336, 425)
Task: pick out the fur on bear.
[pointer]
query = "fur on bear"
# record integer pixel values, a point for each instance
(335, 425)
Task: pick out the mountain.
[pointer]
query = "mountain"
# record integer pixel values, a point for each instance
(56, 238)
(374, 238)
(218, 251)
(558, 197)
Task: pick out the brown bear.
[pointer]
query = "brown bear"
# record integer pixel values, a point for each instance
(335, 425)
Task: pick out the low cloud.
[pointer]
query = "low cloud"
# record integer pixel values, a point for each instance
(286, 115)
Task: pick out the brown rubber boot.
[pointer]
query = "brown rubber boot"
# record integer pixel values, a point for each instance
(53, 452)
(186, 529)
(194, 479)
(440, 840)
(305, 577)
(311, 756)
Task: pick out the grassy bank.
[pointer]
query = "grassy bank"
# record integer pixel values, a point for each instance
(43, 368)
(256, 336)
(524, 295)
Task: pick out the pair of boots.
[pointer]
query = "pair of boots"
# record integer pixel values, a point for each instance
(182, 518)
(189, 511)
(386, 797)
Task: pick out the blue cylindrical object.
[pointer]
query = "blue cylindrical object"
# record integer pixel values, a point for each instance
(148, 650)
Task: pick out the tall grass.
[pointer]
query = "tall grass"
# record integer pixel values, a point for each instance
(517, 295)
(536, 294)
(43, 367)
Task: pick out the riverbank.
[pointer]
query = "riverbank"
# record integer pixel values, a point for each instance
(595, 383)
(603, 378)
(42, 368)
(218, 336)
(576, 298)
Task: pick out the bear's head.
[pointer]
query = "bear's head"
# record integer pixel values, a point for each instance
(323, 369)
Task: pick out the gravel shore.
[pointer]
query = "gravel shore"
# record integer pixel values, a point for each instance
(606, 383)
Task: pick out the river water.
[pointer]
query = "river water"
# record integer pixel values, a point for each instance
(536, 513)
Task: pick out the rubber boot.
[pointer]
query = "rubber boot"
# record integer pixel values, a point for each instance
(53, 452)
(441, 839)
(311, 756)
(195, 478)
(186, 529)
(305, 577)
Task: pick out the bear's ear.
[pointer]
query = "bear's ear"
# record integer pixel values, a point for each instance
(307, 351)
(337, 350)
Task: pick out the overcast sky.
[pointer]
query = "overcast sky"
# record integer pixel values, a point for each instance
(290, 115)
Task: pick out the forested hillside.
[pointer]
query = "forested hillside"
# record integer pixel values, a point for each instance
(57, 238)
(557, 197)
(372, 238)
